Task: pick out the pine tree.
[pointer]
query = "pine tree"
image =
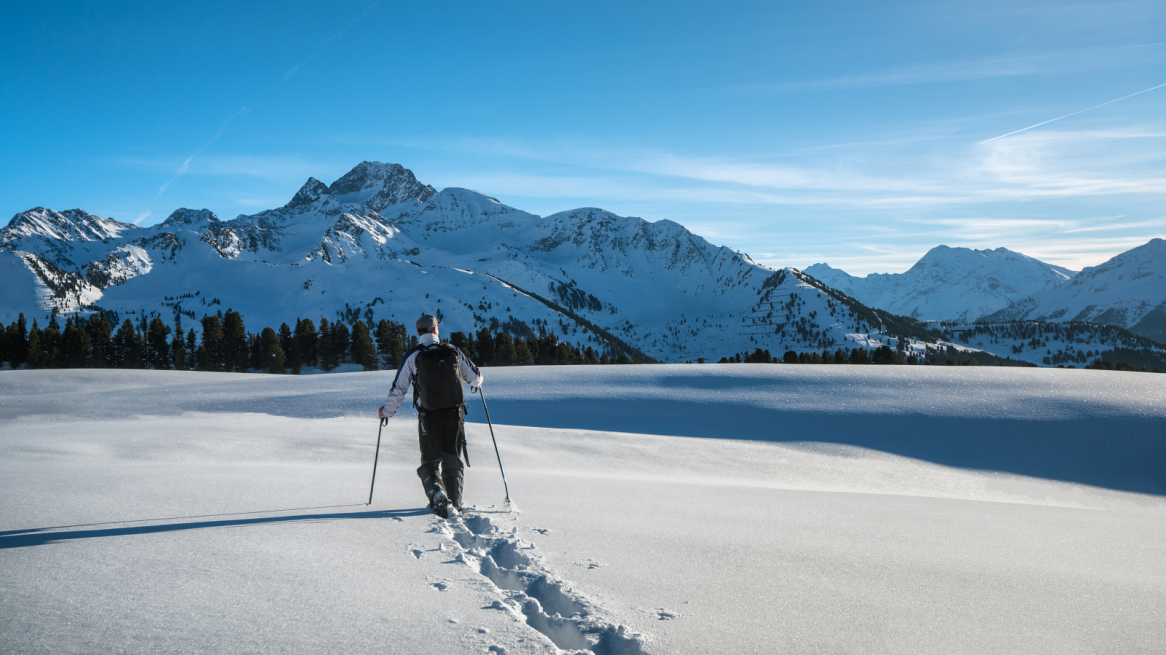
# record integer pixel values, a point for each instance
(101, 341)
(308, 342)
(503, 350)
(458, 340)
(361, 347)
(390, 343)
(235, 343)
(565, 354)
(75, 346)
(340, 341)
(18, 342)
(158, 345)
(255, 352)
(191, 350)
(178, 351)
(36, 354)
(50, 338)
(329, 358)
(272, 352)
(212, 340)
(128, 345)
(203, 360)
(485, 348)
(285, 338)
(522, 356)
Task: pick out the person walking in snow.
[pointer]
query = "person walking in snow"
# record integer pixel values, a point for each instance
(436, 371)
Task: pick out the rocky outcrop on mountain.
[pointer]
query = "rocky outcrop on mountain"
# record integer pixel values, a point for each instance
(71, 225)
(183, 216)
(373, 186)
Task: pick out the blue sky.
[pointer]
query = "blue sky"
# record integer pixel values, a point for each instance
(852, 133)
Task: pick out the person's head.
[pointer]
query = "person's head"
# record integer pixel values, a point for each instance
(427, 324)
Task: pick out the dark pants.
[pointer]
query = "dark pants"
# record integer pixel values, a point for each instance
(441, 434)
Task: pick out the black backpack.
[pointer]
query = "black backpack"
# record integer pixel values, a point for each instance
(438, 384)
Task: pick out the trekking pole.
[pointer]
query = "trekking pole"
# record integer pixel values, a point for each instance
(384, 421)
(504, 485)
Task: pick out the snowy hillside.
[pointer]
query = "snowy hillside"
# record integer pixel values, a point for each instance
(950, 284)
(1068, 344)
(1128, 291)
(378, 244)
(664, 509)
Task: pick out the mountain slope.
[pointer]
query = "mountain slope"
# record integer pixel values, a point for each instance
(950, 284)
(1128, 291)
(377, 243)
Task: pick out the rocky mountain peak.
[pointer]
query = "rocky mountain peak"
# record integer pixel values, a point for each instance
(184, 216)
(309, 193)
(70, 225)
(374, 185)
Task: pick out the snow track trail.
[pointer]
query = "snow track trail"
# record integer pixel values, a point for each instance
(531, 592)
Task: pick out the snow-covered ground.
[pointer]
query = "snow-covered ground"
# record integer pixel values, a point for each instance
(673, 509)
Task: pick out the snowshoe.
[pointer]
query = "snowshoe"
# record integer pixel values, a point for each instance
(441, 505)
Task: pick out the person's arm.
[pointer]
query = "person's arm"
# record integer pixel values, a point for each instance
(405, 373)
(467, 370)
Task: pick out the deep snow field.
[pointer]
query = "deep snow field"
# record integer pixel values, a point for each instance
(668, 509)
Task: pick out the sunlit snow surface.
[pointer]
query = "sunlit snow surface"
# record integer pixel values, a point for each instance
(677, 509)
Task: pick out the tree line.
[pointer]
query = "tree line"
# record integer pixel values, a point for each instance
(226, 345)
(882, 355)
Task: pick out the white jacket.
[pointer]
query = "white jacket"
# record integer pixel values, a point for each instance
(408, 370)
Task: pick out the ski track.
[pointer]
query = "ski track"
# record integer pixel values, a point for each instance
(530, 591)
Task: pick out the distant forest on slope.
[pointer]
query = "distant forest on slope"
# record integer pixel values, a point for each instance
(226, 345)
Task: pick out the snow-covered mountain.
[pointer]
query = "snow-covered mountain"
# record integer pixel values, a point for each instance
(950, 284)
(377, 243)
(1128, 291)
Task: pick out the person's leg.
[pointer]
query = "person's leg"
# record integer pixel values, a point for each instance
(452, 473)
(451, 477)
(429, 432)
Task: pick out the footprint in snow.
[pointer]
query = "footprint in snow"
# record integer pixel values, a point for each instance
(440, 586)
(664, 615)
(417, 553)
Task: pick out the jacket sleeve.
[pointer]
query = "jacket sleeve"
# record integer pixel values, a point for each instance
(405, 373)
(468, 371)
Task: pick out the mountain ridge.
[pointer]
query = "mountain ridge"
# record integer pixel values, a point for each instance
(377, 243)
(950, 284)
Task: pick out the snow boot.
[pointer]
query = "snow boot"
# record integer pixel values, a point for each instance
(441, 505)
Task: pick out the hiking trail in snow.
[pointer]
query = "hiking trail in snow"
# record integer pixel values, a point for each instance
(529, 591)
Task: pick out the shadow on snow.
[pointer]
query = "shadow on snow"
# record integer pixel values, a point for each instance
(43, 536)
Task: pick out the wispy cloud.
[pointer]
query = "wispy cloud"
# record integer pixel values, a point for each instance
(142, 216)
(1074, 61)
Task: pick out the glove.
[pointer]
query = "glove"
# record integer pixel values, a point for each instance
(381, 413)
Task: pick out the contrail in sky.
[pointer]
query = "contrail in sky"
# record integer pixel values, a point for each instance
(186, 164)
(292, 71)
(222, 128)
(1073, 114)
